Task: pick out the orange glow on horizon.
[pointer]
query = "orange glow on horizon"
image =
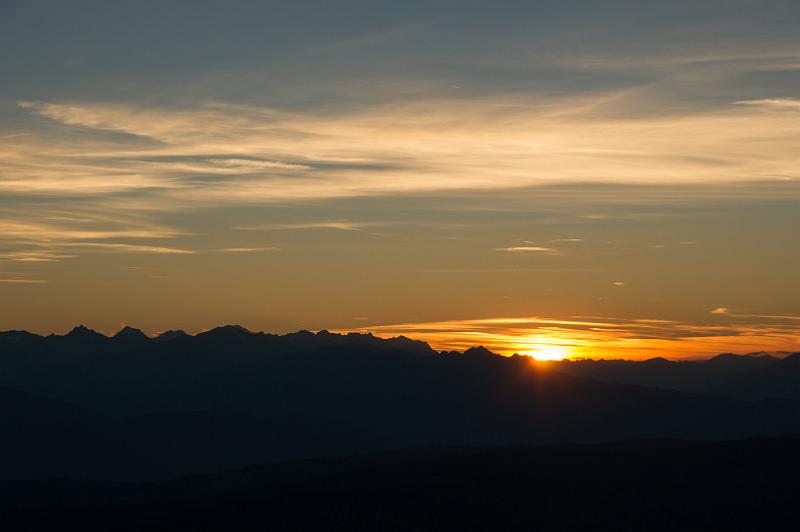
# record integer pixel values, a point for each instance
(548, 339)
(548, 352)
(544, 347)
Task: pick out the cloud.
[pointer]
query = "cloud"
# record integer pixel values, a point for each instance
(507, 270)
(256, 165)
(53, 235)
(75, 234)
(773, 103)
(619, 283)
(189, 167)
(167, 159)
(35, 256)
(129, 248)
(623, 216)
(266, 155)
(740, 315)
(38, 232)
(22, 281)
(244, 250)
(528, 249)
(341, 226)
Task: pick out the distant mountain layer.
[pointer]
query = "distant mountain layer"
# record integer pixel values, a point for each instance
(132, 407)
(646, 485)
(753, 376)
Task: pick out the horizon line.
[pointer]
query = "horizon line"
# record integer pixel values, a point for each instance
(156, 335)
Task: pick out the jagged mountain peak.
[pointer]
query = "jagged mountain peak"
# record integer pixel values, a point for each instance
(479, 351)
(82, 331)
(228, 330)
(130, 332)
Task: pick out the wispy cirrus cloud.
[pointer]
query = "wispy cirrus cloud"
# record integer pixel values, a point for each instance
(43, 232)
(262, 154)
(724, 311)
(162, 159)
(35, 256)
(256, 165)
(244, 249)
(528, 249)
(128, 248)
(55, 236)
(19, 280)
(341, 226)
(774, 103)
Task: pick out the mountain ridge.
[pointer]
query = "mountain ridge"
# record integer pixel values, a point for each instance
(300, 335)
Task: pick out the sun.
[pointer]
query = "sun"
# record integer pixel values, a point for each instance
(546, 352)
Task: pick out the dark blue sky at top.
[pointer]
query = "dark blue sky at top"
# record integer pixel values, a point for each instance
(84, 49)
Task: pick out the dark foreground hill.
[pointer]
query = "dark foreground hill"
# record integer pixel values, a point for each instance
(635, 486)
(45, 438)
(130, 407)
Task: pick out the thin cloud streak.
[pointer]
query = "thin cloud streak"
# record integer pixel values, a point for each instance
(11, 229)
(528, 249)
(724, 311)
(52, 237)
(244, 250)
(341, 226)
(775, 103)
(130, 248)
(35, 256)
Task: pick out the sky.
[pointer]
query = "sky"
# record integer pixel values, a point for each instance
(615, 179)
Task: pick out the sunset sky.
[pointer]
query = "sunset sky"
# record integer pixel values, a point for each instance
(614, 179)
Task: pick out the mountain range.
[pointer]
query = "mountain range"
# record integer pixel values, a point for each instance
(130, 407)
(751, 376)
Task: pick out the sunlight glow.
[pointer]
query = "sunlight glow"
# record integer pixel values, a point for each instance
(548, 352)
(545, 338)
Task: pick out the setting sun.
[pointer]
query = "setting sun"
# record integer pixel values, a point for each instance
(543, 350)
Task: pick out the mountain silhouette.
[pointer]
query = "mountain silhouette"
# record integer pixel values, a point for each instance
(750, 376)
(81, 332)
(130, 333)
(47, 438)
(228, 331)
(740, 362)
(778, 379)
(189, 402)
